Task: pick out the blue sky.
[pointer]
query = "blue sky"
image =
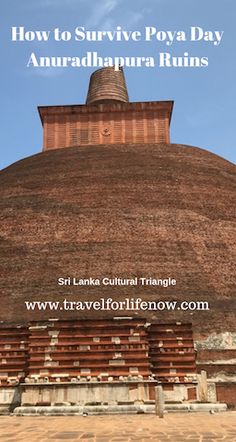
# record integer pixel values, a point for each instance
(204, 111)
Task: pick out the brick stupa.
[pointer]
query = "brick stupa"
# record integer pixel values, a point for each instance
(109, 196)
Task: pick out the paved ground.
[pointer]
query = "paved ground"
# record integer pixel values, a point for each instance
(200, 427)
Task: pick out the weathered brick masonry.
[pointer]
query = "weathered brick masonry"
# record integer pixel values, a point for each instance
(86, 125)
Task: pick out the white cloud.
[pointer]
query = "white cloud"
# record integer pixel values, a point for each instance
(133, 18)
(44, 3)
(45, 72)
(128, 22)
(101, 12)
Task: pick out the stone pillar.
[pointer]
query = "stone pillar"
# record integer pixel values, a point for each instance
(202, 387)
(159, 401)
(212, 396)
(141, 393)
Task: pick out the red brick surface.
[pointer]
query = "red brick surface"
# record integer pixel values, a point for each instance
(226, 393)
(131, 210)
(68, 126)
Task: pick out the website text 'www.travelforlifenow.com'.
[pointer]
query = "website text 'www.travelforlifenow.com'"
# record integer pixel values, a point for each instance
(110, 304)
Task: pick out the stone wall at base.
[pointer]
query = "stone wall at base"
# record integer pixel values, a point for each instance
(111, 361)
(226, 392)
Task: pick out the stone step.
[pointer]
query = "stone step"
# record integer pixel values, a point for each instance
(115, 409)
